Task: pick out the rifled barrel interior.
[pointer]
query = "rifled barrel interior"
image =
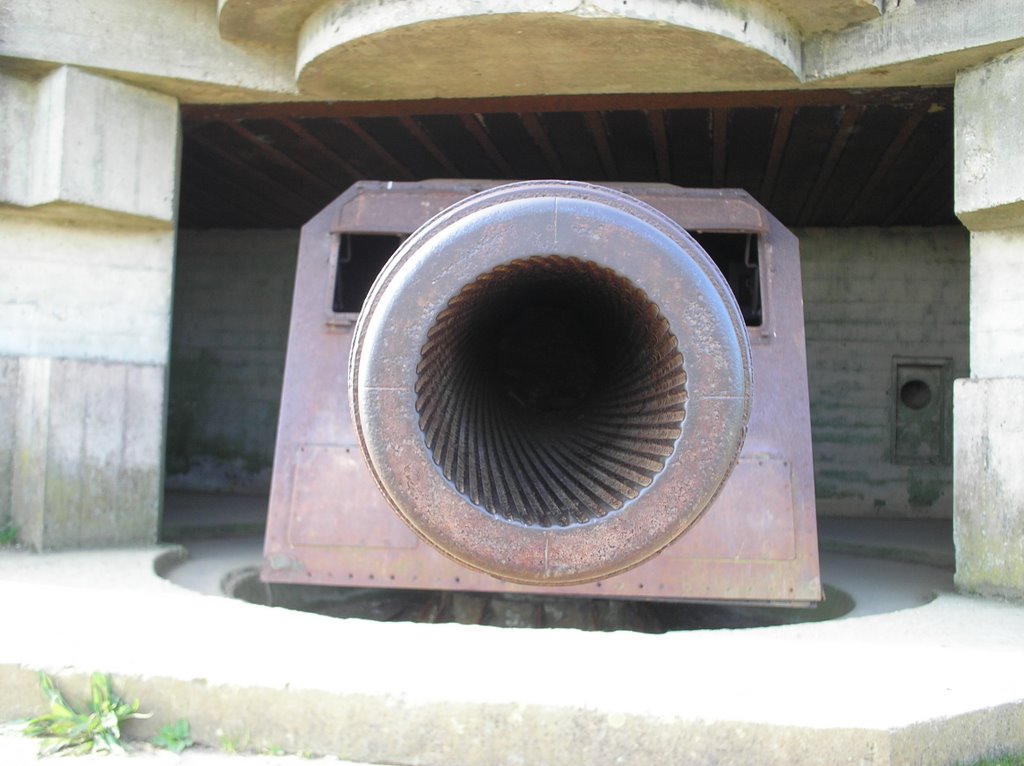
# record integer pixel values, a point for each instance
(550, 391)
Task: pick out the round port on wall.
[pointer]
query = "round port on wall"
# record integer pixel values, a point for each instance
(915, 394)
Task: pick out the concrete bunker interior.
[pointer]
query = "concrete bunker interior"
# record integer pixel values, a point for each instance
(864, 177)
(92, 94)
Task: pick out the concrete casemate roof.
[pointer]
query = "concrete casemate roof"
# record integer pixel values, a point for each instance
(246, 51)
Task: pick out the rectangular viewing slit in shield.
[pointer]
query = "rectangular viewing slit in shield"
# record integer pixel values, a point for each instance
(736, 255)
(360, 259)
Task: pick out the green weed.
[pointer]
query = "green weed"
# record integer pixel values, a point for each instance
(174, 736)
(66, 730)
(8, 535)
(233, 744)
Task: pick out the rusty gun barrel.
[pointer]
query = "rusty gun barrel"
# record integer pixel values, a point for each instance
(550, 381)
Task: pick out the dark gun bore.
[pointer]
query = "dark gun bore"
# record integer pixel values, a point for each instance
(550, 391)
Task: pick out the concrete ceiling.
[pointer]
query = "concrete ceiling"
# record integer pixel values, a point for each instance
(814, 158)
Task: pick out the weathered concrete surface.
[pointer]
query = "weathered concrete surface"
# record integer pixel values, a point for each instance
(267, 21)
(86, 267)
(8, 389)
(17, 122)
(940, 684)
(989, 135)
(813, 16)
(273, 21)
(17, 750)
(518, 47)
(255, 50)
(870, 295)
(172, 46)
(65, 150)
(69, 290)
(916, 42)
(233, 297)
(86, 452)
(989, 417)
(989, 520)
(997, 303)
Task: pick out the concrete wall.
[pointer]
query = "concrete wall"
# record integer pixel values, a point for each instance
(84, 326)
(870, 295)
(83, 467)
(997, 303)
(988, 527)
(88, 181)
(84, 292)
(8, 384)
(233, 294)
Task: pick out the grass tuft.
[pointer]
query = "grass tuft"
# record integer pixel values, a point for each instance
(65, 730)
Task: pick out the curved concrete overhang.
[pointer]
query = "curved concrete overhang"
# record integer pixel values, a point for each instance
(366, 49)
(266, 21)
(914, 43)
(275, 23)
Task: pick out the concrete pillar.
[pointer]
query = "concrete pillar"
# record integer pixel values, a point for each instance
(989, 406)
(88, 183)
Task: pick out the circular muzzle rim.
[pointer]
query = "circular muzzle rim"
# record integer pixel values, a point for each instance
(571, 220)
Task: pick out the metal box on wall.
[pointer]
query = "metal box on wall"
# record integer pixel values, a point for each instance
(329, 522)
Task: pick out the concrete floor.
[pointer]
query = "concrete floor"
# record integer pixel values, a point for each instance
(883, 586)
(911, 561)
(903, 679)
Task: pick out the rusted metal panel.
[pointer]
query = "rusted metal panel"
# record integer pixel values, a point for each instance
(322, 475)
(329, 525)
